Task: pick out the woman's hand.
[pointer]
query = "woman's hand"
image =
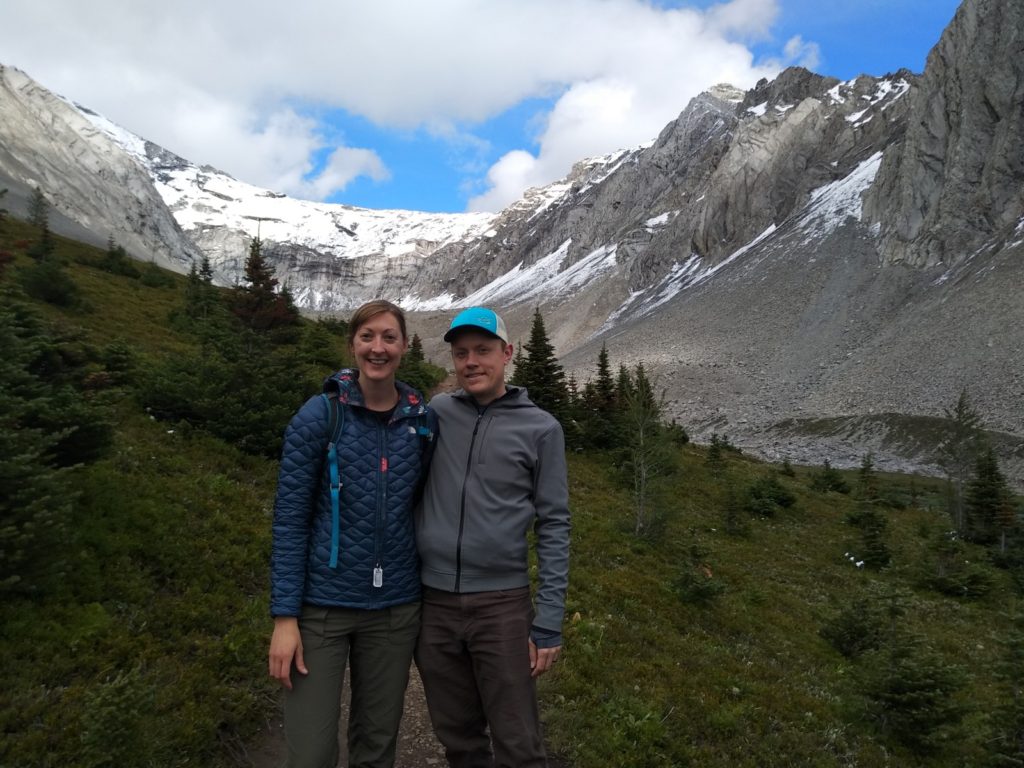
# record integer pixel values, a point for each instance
(285, 647)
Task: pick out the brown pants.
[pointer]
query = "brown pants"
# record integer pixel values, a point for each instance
(474, 658)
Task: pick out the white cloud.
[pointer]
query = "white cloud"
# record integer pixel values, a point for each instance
(802, 53)
(230, 82)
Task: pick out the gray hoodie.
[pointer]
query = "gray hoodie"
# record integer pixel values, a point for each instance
(496, 472)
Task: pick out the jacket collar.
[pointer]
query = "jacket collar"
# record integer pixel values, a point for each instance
(346, 383)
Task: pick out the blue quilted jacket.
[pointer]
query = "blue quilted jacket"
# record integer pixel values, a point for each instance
(381, 469)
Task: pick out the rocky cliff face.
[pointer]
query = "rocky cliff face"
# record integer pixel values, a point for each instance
(87, 177)
(812, 266)
(953, 183)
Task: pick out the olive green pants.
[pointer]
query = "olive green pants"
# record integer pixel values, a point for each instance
(378, 647)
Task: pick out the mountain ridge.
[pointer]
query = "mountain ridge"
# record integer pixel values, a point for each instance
(806, 249)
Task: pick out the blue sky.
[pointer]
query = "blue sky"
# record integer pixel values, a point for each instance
(438, 105)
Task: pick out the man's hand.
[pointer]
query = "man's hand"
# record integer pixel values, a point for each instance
(542, 659)
(285, 647)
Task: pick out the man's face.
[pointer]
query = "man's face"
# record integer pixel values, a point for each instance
(480, 361)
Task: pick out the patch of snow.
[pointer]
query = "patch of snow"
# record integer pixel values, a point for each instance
(545, 277)
(1018, 231)
(200, 199)
(681, 277)
(829, 206)
(856, 116)
(758, 110)
(543, 198)
(784, 108)
(886, 88)
(437, 303)
(132, 144)
(661, 220)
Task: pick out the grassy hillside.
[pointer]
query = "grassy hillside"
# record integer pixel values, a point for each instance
(698, 645)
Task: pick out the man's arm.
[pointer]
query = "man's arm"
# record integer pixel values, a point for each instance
(551, 500)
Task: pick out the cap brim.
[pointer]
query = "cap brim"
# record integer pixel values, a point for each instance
(453, 332)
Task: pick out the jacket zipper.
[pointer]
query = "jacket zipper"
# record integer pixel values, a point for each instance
(462, 504)
(382, 493)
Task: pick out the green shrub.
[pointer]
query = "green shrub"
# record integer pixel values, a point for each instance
(766, 495)
(47, 280)
(114, 720)
(858, 627)
(155, 277)
(828, 479)
(912, 694)
(696, 585)
(950, 571)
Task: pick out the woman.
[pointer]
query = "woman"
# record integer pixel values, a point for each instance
(344, 570)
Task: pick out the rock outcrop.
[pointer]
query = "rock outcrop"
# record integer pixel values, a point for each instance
(954, 183)
(87, 177)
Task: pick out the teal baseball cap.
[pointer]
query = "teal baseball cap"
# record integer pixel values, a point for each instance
(480, 318)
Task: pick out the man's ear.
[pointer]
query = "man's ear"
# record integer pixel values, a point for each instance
(508, 353)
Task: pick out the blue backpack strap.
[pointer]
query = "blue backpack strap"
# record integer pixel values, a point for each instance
(335, 422)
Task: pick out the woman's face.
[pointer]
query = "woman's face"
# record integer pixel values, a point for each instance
(378, 347)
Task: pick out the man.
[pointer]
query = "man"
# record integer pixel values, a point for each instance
(498, 470)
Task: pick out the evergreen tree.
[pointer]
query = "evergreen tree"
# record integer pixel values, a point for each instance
(604, 386)
(6, 257)
(416, 371)
(257, 303)
(46, 427)
(715, 458)
(828, 479)
(543, 375)
(116, 260)
(867, 480)
(987, 502)
(958, 452)
(39, 210)
(623, 386)
(912, 693)
(949, 570)
(860, 626)
(39, 218)
(648, 448)
(415, 353)
(519, 373)
(873, 526)
(736, 521)
(600, 414)
(572, 395)
(206, 270)
(645, 392)
(37, 496)
(202, 312)
(1007, 744)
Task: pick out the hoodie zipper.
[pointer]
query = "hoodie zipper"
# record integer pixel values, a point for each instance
(462, 503)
